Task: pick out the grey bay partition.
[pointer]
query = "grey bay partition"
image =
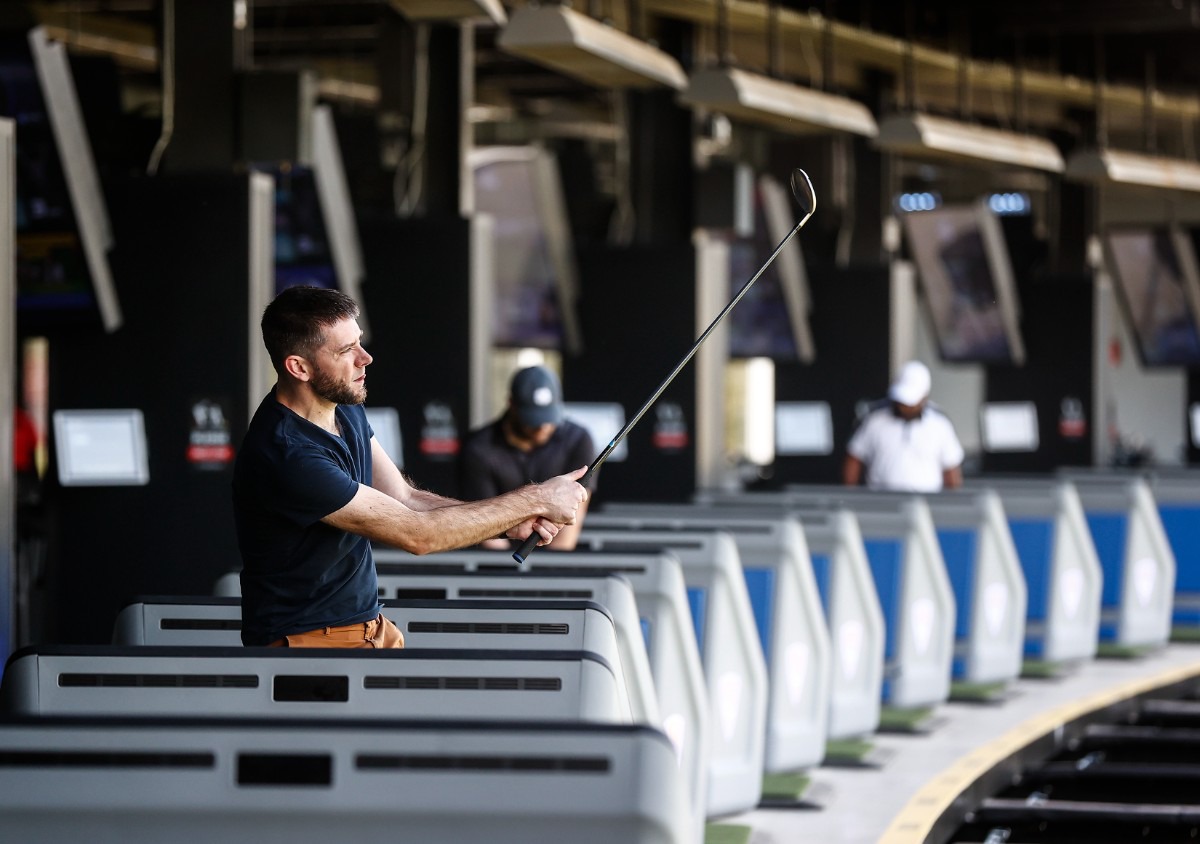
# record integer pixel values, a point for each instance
(1062, 571)
(1177, 494)
(662, 603)
(312, 682)
(914, 593)
(402, 581)
(1135, 556)
(735, 670)
(844, 584)
(484, 624)
(981, 563)
(772, 557)
(211, 781)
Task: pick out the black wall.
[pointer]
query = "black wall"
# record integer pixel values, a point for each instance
(637, 313)
(181, 269)
(851, 326)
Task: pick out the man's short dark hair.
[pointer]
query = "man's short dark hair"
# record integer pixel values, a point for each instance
(295, 321)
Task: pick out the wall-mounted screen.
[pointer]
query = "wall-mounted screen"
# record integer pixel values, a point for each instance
(772, 319)
(101, 447)
(1154, 269)
(63, 233)
(302, 253)
(341, 227)
(803, 428)
(603, 420)
(1009, 426)
(966, 276)
(536, 282)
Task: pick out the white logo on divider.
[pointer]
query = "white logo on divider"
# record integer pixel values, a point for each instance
(675, 726)
(1070, 583)
(795, 660)
(1145, 578)
(995, 606)
(921, 612)
(849, 644)
(729, 702)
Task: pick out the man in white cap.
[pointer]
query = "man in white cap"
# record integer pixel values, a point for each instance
(526, 445)
(906, 443)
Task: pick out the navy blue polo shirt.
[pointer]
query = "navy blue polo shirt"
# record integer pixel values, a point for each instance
(299, 573)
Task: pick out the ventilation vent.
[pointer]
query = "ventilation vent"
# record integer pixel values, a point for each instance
(570, 594)
(103, 759)
(159, 681)
(200, 624)
(482, 684)
(507, 628)
(564, 764)
(284, 769)
(415, 594)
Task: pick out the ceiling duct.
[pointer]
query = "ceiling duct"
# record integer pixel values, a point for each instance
(772, 102)
(1135, 169)
(924, 135)
(475, 11)
(581, 47)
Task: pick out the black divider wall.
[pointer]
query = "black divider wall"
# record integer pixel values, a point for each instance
(1056, 324)
(417, 293)
(637, 312)
(850, 320)
(181, 270)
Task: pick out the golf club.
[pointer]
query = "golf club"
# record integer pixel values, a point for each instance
(803, 191)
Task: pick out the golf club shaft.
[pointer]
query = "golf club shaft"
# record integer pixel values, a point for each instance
(529, 544)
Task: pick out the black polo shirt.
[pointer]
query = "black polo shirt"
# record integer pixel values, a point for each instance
(489, 466)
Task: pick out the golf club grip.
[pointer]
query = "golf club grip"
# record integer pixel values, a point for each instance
(522, 553)
(526, 547)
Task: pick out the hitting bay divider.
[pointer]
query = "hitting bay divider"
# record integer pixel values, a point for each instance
(211, 781)
(308, 682)
(495, 624)
(1178, 498)
(781, 592)
(664, 618)
(1136, 559)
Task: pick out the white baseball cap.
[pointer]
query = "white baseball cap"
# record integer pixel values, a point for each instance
(912, 384)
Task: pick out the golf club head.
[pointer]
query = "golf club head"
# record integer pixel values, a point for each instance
(802, 189)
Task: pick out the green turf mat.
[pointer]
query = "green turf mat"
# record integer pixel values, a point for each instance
(903, 720)
(726, 833)
(1185, 634)
(849, 749)
(977, 692)
(1040, 669)
(1110, 650)
(785, 786)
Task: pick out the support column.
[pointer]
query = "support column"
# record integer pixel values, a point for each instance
(204, 52)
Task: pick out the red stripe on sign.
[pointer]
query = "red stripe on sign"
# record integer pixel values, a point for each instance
(209, 453)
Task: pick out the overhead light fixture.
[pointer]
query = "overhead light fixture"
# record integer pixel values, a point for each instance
(579, 46)
(773, 102)
(941, 137)
(1133, 168)
(485, 11)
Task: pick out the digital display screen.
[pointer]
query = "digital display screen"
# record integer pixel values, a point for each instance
(302, 253)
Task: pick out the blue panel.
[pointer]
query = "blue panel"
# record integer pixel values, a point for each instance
(823, 572)
(1182, 524)
(886, 557)
(646, 628)
(760, 583)
(698, 602)
(960, 548)
(1034, 540)
(1108, 532)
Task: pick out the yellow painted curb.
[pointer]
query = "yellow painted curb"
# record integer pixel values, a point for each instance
(915, 822)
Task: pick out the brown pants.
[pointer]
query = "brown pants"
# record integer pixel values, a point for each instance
(378, 633)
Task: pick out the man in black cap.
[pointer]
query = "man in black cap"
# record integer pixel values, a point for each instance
(529, 443)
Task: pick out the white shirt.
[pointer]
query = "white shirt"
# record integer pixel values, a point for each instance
(906, 455)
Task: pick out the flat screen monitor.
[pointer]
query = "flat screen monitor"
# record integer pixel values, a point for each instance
(803, 428)
(302, 252)
(536, 284)
(966, 276)
(63, 233)
(772, 319)
(1158, 286)
(101, 447)
(385, 422)
(1008, 426)
(603, 420)
(337, 210)
(1194, 423)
